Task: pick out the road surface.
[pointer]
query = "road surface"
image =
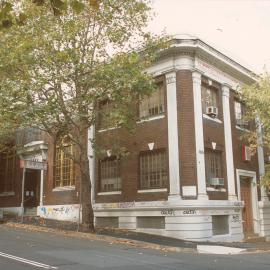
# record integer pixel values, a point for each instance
(21, 250)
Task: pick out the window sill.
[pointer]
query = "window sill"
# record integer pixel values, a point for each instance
(152, 118)
(66, 188)
(107, 129)
(216, 189)
(242, 129)
(6, 194)
(152, 190)
(212, 119)
(110, 193)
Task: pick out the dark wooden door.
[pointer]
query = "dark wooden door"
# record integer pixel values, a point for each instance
(31, 190)
(246, 196)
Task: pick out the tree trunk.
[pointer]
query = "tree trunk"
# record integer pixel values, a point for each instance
(87, 224)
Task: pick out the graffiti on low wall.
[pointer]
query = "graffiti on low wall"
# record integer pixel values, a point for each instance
(60, 212)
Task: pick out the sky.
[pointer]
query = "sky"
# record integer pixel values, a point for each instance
(238, 28)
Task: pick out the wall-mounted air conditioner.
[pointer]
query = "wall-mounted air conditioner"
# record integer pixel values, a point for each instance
(212, 111)
(216, 181)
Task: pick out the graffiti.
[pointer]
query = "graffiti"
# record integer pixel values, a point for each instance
(235, 219)
(168, 212)
(189, 212)
(68, 212)
(125, 205)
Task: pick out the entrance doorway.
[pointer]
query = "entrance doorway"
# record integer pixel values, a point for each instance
(246, 196)
(32, 188)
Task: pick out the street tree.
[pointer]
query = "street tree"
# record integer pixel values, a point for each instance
(257, 101)
(56, 69)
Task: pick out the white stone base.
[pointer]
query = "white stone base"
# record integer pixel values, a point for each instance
(264, 212)
(185, 219)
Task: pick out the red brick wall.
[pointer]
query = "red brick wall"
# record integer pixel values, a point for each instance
(187, 147)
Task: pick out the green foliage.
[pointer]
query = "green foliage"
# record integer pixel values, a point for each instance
(64, 58)
(257, 100)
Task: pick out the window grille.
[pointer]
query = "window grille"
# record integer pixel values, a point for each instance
(213, 165)
(110, 179)
(64, 174)
(9, 166)
(153, 170)
(152, 105)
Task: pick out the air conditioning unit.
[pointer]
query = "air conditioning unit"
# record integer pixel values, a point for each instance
(212, 111)
(216, 181)
(242, 123)
(246, 153)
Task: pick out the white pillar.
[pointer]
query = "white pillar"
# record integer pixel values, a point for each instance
(91, 157)
(199, 140)
(41, 188)
(174, 172)
(264, 196)
(228, 142)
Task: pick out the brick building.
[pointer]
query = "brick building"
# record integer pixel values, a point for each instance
(188, 174)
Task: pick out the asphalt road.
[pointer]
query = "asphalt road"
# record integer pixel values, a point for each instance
(20, 250)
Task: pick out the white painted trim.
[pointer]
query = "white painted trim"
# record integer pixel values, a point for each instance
(110, 193)
(41, 193)
(212, 119)
(6, 194)
(152, 190)
(261, 164)
(66, 188)
(107, 129)
(199, 139)
(216, 189)
(173, 147)
(151, 118)
(228, 141)
(242, 129)
(253, 184)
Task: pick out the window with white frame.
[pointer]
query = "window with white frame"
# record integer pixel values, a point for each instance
(213, 165)
(110, 179)
(153, 169)
(209, 98)
(152, 105)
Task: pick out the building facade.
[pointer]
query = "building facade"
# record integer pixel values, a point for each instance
(187, 172)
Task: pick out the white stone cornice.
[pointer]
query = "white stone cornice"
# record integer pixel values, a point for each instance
(170, 77)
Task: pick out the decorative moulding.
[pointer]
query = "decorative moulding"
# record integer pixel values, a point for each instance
(151, 146)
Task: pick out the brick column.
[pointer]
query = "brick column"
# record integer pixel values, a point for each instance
(228, 142)
(199, 140)
(174, 175)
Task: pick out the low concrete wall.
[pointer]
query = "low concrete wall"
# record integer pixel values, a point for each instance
(190, 220)
(59, 212)
(264, 211)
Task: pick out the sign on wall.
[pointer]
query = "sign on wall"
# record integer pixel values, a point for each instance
(35, 165)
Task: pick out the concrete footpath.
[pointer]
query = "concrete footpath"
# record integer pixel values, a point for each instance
(141, 240)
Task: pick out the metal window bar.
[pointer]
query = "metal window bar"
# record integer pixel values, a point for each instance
(153, 172)
(110, 175)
